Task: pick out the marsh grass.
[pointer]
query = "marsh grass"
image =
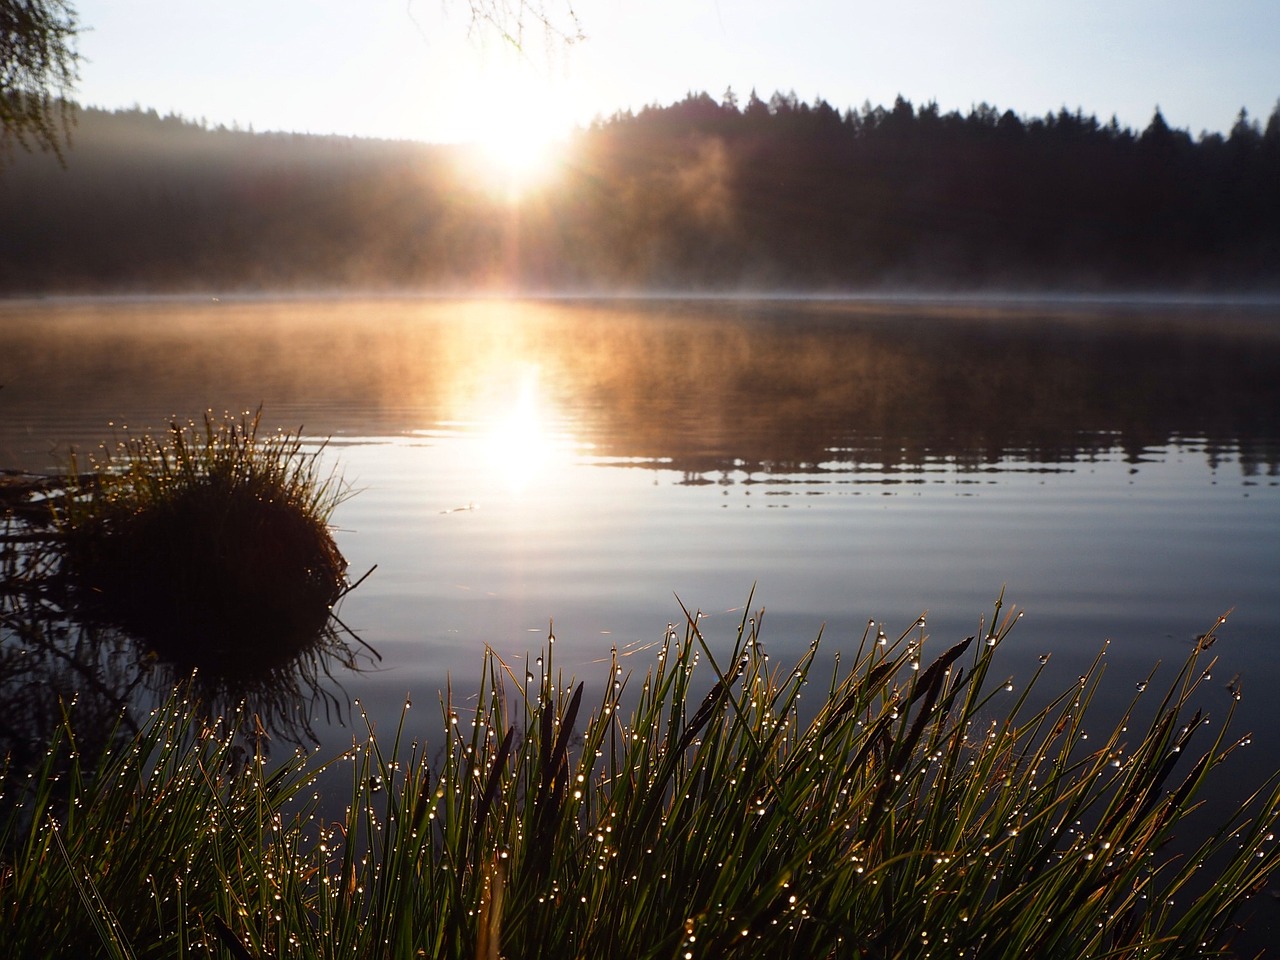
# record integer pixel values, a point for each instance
(70, 619)
(907, 804)
(211, 542)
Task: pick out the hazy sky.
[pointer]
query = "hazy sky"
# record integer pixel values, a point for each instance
(412, 68)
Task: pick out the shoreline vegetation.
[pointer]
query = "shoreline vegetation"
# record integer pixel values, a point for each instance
(926, 808)
(735, 195)
(202, 554)
(211, 543)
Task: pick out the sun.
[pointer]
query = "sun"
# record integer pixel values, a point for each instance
(518, 126)
(515, 157)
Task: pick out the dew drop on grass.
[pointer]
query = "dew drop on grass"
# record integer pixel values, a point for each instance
(1141, 685)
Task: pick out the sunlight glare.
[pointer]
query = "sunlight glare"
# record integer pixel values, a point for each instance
(521, 444)
(518, 126)
(516, 157)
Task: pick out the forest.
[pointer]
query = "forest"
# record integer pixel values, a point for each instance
(708, 195)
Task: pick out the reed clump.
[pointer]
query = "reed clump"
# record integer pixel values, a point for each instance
(210, 542)
(913, 808)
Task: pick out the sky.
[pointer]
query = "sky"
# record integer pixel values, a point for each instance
(421, 69)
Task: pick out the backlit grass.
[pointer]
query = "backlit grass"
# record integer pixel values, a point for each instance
(902, 802)
(210, 542)
(203, 555)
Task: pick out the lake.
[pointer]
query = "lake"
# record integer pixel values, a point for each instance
(587, 466)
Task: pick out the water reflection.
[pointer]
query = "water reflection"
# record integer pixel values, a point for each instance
(1099, 459)
(54, 649)
(704, 388)
(1118, 468)
(517, 428)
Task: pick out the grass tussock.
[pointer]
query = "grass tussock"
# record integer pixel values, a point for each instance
(903, 806)
(210, 542)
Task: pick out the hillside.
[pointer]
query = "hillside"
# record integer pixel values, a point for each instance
(699, 195)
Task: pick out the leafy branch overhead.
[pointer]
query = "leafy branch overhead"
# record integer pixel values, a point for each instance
(514, 20)
(38, 70)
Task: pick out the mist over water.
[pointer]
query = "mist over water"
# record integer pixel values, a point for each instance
(750, 383)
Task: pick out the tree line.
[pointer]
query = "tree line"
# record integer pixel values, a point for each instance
(703, 194)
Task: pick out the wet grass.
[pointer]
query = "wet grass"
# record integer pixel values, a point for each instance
(906, 804)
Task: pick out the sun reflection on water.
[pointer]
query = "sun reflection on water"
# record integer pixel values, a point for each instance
(520, 435)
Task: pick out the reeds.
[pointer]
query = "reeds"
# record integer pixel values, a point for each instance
(149, 570)
(904, 806)
(210, 542)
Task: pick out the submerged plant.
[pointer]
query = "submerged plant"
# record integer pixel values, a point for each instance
(912, 808)
(211, 543)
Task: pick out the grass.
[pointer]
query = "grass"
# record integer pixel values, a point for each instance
(901, 805)
(204, 550)
(210, 542)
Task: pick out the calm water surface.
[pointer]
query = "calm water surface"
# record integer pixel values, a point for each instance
(1114, 468)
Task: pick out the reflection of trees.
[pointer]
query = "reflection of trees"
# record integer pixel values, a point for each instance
(51, 653)
(762, 387)
(781, 389)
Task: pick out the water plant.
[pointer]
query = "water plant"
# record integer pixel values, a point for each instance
(211, 542)
(715, 804)
(174, 512)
